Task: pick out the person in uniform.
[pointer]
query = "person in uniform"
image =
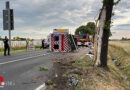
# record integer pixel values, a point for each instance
(42, 47)
(6, 46)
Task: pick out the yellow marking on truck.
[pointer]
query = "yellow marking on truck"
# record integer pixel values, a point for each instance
(61, 30)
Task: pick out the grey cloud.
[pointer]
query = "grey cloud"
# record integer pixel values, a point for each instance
(118, 17)
(58, 13)
(35, 13)
(38, 15)
(122, 27)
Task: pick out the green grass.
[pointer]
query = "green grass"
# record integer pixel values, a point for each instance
(123, 57)
(43, 68)
(83, 63)
(16, 50)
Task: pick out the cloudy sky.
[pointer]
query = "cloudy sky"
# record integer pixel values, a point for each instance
(38, 18)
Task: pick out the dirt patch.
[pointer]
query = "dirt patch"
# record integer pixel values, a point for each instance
(62, 63)
(71, 56)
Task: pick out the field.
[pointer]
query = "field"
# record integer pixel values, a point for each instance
(123, 44)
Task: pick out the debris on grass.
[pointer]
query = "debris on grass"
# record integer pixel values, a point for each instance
(114, 60)
(73, 81)
(90, 54)
(117, 63)
(43, 68)
(56, 75)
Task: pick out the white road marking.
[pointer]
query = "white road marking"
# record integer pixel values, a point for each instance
(19, 60)
(41, 87)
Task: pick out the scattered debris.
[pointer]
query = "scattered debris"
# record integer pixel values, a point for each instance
(56, 75)
(91, 55)
(117, 63)
(73, 81)
(91, 52)
(63, 67)
(43, 68)
(114, 60)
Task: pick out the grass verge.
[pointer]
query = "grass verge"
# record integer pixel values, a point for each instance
(16, 50)
(121, 72)
(90, 78)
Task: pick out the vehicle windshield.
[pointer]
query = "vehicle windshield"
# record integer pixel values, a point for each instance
(82, 36)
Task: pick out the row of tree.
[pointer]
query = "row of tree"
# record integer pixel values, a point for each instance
(15, 39)
(125, 38)
(19, 39)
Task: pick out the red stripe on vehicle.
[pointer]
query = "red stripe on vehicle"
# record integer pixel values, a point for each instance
(62, 42)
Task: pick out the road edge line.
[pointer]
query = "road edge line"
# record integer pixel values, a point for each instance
(41, 87)
(19, 60)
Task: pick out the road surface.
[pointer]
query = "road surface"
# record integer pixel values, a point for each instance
(21, 71)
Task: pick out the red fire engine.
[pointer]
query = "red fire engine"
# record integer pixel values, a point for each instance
(82, 39)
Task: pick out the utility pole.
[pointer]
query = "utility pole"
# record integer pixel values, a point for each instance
(8, 20)
(8, 9)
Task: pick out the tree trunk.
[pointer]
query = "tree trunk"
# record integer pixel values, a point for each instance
(106, 31)
(102, 37)
(95, 42)
(99, 37)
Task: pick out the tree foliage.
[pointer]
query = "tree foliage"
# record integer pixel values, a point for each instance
(86, 29)
(19, 39)
(108, 23)
(115, 3)
(1, 38)
(105, 2)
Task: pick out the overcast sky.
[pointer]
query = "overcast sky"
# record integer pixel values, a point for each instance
(38, 18)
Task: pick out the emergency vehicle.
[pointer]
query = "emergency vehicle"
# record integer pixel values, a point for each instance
(62, 41)
(82, 39)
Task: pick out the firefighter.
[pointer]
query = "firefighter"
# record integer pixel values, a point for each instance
(42, 46)
(27, 44)
(6, 46)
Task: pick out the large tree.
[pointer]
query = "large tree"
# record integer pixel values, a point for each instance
(91, 25)
(108, 7)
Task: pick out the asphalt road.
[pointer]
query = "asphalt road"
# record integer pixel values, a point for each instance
(21, 71)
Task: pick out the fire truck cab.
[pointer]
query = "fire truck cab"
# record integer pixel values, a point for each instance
(82, 40)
